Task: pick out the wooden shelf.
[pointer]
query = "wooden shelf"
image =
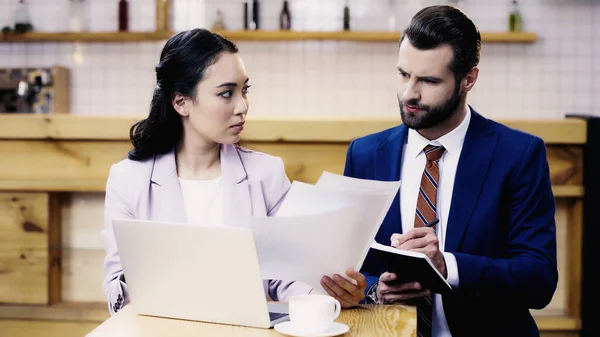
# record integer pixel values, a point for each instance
(87, 185)
(259, 129)
(557, 323)
(361, 36)
(358, 36)
(86, 37)
(566, 191)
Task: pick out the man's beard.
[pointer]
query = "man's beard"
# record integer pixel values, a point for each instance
(430, 116)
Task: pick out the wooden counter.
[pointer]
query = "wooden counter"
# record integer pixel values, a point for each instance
(367, 320)
(46, 159)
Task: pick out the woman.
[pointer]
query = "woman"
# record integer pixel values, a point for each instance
(185, 165)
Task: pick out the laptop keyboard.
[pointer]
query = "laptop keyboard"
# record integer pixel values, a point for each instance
(276, 315)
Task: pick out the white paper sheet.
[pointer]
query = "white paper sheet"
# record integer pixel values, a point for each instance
(304, 248)
(340, 182)
(321, 229)
(305, 199)
(354, 185)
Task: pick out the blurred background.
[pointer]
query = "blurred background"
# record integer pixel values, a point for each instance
(86, 69)
(557, 72)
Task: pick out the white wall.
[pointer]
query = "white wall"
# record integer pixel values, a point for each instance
(558, 74)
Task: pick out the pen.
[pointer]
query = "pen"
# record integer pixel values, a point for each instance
(433, 223)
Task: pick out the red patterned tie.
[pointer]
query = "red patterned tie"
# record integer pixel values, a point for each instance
(425, 213)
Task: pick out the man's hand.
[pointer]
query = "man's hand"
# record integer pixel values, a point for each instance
(349, 293)
(391, 292)
(422, 240)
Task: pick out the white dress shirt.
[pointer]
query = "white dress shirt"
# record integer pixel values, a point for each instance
(413, 164)
(203, 201)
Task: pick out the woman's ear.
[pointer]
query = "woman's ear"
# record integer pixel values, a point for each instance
(181, 104)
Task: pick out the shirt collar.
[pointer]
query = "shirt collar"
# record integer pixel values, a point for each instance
(452, 141)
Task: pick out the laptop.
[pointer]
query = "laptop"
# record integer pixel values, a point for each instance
(192, 272)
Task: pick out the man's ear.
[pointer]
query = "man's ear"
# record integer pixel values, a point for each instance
(471, 78)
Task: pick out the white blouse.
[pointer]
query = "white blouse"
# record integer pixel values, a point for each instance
(203, 201)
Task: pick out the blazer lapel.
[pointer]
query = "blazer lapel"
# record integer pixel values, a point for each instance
(166, 192)
(473, 166)
(388, 157)
(237, 206)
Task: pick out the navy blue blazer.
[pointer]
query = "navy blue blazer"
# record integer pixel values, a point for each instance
(501, 226)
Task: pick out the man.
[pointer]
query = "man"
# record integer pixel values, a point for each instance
(487, 184)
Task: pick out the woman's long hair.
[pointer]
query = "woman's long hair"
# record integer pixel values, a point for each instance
(183, 63)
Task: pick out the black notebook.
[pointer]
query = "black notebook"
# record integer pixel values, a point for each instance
(411, 266)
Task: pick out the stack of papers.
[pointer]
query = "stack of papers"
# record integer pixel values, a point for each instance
(322, 229)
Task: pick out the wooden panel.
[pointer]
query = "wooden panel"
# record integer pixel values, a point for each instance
(271, 129)
(568, 191)
(84, 165)
(62, 91)
(64, 311)
(306, 162)
(558, 323)
(566, 165)
(77, 127)
(83, 250)
(24, 241)
(560, 334)
(572, 273)
(56, 165)
(82, 220)
(82, 275)
(30, 328)
(558, 305)
(54, 248)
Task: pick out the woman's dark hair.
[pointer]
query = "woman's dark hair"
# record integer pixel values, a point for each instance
(438, 25)
(183, 63)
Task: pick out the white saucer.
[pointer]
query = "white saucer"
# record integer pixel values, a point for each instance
(287, 328)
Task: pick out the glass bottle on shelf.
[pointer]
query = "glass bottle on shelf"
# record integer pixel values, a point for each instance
(391, 16)
(346, 16)
(123, 15)
(246, 9)
(219, 23)
(514, 18)
(162, 15)
(255, 23)
(285, 18)
(77, 15)
(22, 18)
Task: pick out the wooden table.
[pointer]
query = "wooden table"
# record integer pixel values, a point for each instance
(366, 320)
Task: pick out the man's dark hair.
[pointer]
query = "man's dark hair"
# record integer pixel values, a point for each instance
(438, 25)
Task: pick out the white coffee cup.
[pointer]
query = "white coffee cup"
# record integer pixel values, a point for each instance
(311, 314)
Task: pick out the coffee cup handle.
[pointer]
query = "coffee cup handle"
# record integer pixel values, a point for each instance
(338, 309)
